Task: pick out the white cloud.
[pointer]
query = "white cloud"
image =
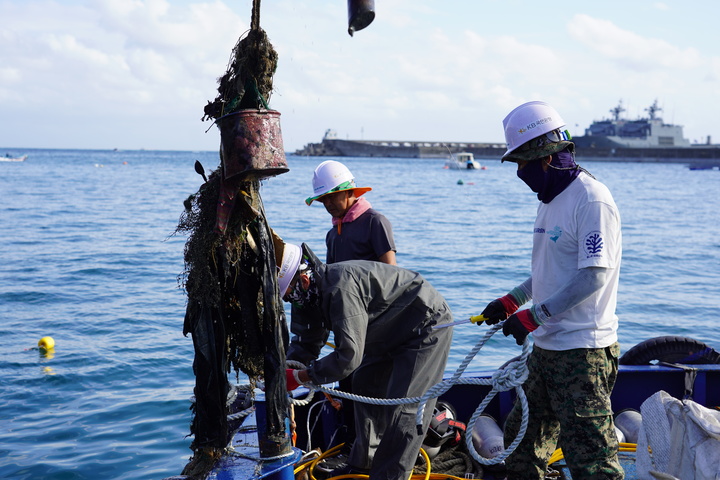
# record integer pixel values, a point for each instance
(10, 75)
(67, 47)
(629, 48)
(432, 70)
(114, 58)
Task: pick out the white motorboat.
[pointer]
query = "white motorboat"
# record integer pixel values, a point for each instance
(8, 158)
(462, 161)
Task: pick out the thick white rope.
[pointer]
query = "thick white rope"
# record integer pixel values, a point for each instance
(509, 376)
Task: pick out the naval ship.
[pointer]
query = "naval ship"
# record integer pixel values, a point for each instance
(646, 139)
(649, 132)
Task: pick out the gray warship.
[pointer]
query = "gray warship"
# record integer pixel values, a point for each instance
(646, 139)
(648, 132)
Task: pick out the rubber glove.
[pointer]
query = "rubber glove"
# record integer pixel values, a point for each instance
(291, 379)
(519, 325)
(499, 309)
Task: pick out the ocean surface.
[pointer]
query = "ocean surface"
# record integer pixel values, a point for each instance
(88, 256)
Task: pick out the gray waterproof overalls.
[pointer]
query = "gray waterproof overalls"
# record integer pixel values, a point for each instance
(381, 317)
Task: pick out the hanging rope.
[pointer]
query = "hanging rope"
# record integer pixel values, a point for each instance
(255, 20)
(254, 60)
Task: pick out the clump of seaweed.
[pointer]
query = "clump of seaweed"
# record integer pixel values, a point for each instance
(202, 462)
(200, 277)
(254, 60)
(224, 271)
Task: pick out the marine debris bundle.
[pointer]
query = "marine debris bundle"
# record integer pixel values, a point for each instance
(234, 311)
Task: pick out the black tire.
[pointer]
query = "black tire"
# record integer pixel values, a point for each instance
(670, 349)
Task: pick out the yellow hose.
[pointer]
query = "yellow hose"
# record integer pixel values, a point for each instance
(558, 454)
(427, 464)
(333, 451)
(324, 455)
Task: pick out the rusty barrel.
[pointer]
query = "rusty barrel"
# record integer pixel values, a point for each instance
(251, 145)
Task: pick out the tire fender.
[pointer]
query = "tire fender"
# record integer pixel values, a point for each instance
(670, 349)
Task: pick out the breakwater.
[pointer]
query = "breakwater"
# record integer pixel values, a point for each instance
(701, 156)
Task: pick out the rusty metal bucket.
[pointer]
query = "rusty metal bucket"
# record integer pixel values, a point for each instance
(251, 145)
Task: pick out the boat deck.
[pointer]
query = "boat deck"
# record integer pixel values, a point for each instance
(317, 425)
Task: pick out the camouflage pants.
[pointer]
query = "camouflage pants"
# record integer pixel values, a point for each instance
(569, 401)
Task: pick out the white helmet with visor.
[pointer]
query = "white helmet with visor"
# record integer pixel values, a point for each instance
(530, 121)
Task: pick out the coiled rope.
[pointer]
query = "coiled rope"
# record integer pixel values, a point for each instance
(509, 376)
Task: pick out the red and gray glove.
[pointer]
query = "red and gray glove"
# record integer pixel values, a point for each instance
(499, 309)
(292, 379)
(520, 324)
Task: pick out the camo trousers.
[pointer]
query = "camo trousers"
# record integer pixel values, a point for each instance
(568, 394)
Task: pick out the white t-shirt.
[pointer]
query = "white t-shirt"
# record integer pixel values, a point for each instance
(579, 228)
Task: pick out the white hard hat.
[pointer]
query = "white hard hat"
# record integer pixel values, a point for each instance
(331, 176)
(528, 121)
(292, 254)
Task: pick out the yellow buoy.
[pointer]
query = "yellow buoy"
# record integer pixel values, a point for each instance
(46, 343)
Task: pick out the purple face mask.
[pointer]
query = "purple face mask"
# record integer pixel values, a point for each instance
(548, 185)
(533, 175)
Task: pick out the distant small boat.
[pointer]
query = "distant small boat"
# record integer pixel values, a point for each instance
(463, 161)
(8, 158)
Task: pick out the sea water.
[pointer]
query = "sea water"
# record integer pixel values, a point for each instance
(88, 256)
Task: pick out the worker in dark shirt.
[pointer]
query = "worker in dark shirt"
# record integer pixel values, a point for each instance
(359, 232)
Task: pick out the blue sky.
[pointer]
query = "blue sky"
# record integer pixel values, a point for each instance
(133, 74)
